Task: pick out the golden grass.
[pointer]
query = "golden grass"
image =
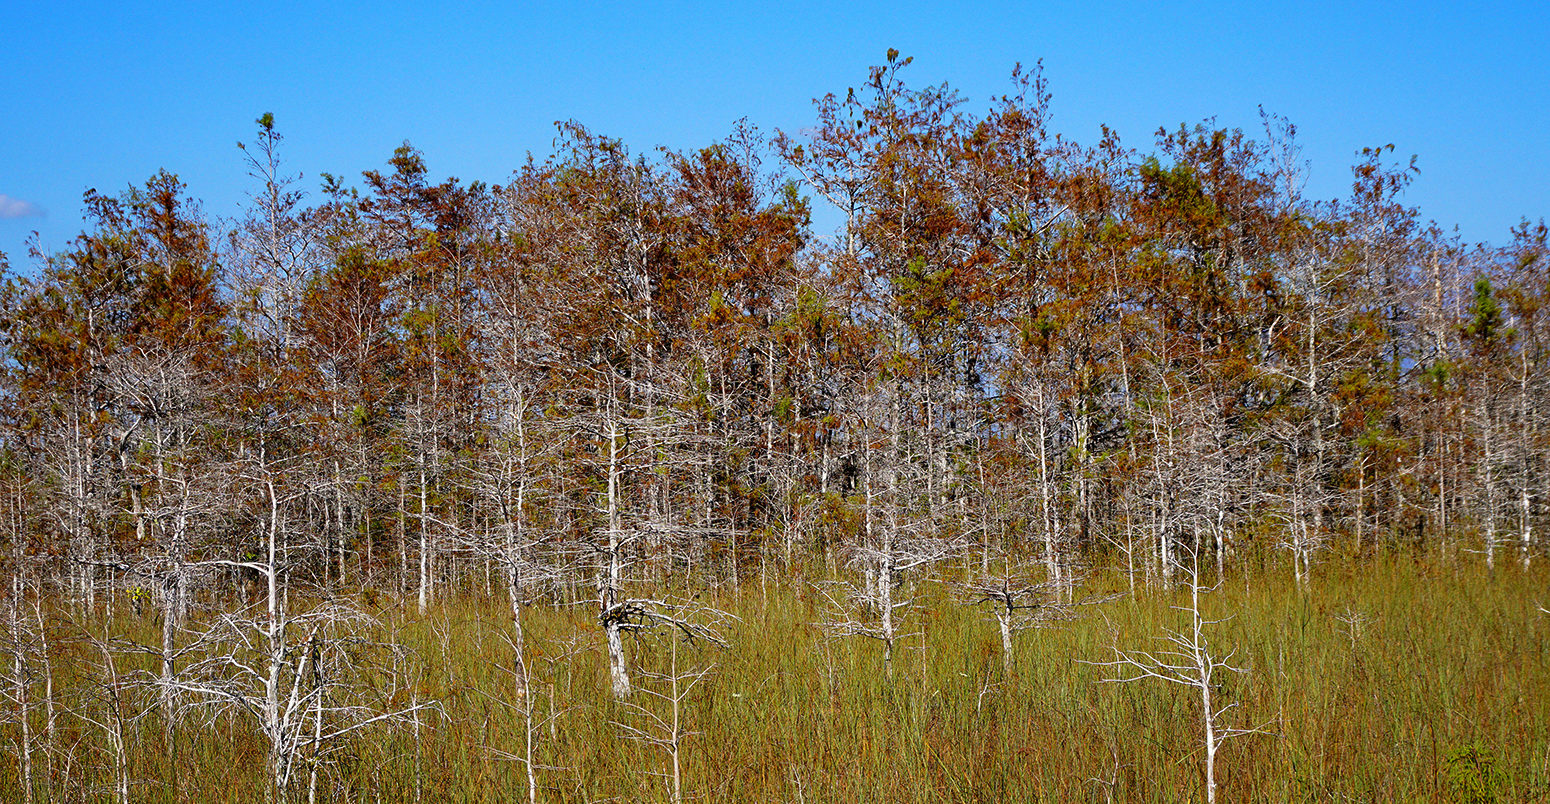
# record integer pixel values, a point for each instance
(1449, 657)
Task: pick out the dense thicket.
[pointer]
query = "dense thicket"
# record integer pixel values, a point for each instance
(618, 372)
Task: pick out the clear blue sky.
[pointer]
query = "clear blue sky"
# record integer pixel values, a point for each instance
(103, 94)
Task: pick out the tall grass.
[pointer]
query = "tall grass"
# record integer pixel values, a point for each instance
(1381, 681)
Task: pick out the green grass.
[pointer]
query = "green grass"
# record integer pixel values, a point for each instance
(1452, 663)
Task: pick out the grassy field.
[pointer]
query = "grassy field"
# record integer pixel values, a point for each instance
(1382, 681)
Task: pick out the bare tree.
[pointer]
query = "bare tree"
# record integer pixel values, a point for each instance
(661, 719)
(20, 643)
(1189, 660)
(507, 486)
(105, 707)
(886, 554)
(307, 680)
(633, 522)
(1020, 597)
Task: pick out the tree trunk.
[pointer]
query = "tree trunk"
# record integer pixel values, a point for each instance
(425, 548)
(19, 672)
(1004, 618)
(611, 581)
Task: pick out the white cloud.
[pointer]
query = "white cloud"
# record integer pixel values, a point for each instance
(17, 208)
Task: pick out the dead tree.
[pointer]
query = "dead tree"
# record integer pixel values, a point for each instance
(294, 669)
(303, 679)
(637, 615)
(106, 709)
(1018, 602)
(869, 607)
(507, 484)
(1189, 660)
(20, 642)
(636, 520)
(661, 720)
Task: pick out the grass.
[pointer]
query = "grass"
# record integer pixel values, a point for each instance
(1450, 663)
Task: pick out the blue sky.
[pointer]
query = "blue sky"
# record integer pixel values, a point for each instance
(103, 94)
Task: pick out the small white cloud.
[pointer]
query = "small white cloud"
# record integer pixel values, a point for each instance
(17, 208)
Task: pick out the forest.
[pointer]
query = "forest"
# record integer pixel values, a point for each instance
(1059, 471)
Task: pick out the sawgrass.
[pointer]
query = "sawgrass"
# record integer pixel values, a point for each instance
(1451, 662)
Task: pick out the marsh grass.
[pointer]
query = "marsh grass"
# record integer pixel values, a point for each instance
(1447, 663)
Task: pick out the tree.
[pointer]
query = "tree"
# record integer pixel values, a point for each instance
(1018, 600)
(668, 731)
(886, 553)
(166, 368)
(1489, 342)
(1526, 294)
(307, 679)
(1189, 660)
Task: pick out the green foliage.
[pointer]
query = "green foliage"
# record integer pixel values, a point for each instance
(1436, 375)
(783, 408)
(1485, 314)
(1473, 775)
(1179, 189)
